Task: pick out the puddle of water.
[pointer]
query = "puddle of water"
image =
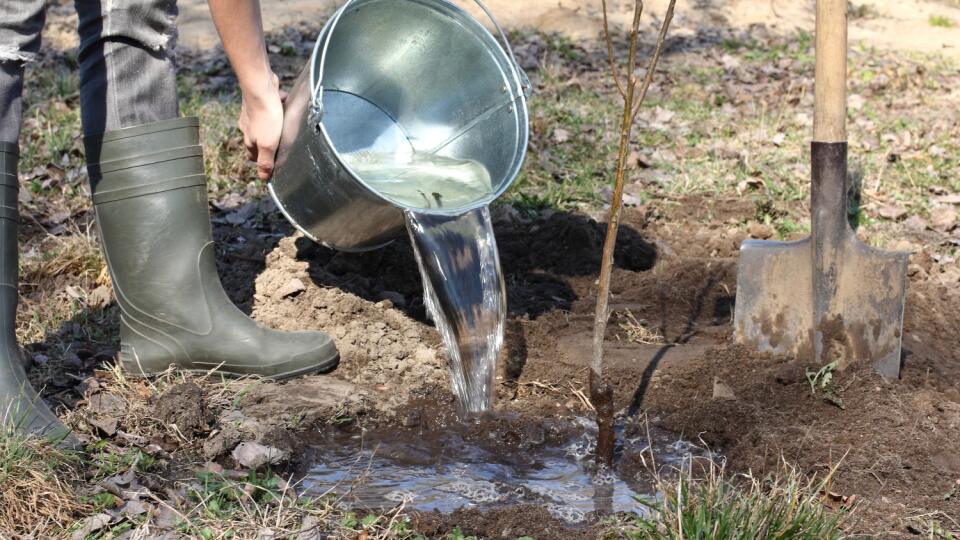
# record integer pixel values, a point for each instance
(446, 470)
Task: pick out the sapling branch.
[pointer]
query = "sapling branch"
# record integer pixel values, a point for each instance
(633, 93)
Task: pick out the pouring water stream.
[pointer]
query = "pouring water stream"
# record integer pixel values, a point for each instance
(457, 255)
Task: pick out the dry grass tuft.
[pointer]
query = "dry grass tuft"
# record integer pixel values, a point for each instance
(37, 494)
(638, 331)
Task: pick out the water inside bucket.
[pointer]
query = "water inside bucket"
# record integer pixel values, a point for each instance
(420, 179)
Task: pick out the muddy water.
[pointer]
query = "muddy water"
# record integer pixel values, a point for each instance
(457, 254)
(446, 470)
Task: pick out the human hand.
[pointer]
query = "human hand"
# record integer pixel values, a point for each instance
(261, 121)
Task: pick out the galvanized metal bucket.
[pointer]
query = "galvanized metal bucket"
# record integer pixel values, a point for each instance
(389, 75)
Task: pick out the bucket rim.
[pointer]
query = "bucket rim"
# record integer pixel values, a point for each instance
(519, 100)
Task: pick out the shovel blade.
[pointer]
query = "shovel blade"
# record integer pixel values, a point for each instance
(852, 312)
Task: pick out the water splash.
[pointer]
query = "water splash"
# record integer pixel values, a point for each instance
(465, 296)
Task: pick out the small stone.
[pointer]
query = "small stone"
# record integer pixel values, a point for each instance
(395, 297)
(759, 230)
(255, 455)
(310, 529)
(424, 355)
(222, 441)
(104, 403)
(721, 390)
(293, 287)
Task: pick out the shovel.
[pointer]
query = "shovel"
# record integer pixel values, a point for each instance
(829, 297)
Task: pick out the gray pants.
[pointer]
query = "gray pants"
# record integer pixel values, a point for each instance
(127, 75)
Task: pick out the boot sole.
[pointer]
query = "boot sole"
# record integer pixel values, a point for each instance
(326, 367)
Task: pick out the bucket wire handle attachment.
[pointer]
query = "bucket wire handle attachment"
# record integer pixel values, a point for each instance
(524, 81)
(316, 106)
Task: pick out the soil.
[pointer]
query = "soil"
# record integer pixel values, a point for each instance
(893, 442)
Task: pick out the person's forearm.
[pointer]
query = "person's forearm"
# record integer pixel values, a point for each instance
(241, 32)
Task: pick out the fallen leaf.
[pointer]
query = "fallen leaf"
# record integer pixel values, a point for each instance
(133, 508)
(892, 211)
(90, 525)
(943, 217)
(560, 135)
(855, 102)
(948, 199)
(916, 223)
(100, 297)
(106, 424)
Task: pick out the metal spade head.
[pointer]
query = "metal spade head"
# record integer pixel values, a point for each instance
(828, 297)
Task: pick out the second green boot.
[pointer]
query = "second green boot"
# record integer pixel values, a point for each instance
(21, 409)
(150, 195)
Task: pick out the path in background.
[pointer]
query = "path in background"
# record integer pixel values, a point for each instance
(886, 24)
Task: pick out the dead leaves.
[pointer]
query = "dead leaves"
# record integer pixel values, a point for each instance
(943, 217)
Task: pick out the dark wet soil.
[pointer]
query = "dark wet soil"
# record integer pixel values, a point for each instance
(676, 275)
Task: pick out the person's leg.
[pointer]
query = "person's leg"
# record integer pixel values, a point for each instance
(21, 22)
(149, 192)
(127, 72)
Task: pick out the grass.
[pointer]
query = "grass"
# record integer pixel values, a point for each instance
(222, 507)
(699, 135)
(941, 21)
(740, 507)
(37, 486)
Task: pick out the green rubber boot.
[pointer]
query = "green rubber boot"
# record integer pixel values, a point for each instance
(150, 196)
(20, 407)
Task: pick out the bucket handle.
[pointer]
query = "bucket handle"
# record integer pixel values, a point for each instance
(316, 107)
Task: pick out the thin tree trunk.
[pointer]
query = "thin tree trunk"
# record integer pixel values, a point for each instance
(633, 94)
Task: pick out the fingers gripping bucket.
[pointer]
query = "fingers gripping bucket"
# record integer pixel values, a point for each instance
(396, 76)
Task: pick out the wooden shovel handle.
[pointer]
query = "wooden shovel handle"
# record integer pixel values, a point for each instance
(830, 115)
